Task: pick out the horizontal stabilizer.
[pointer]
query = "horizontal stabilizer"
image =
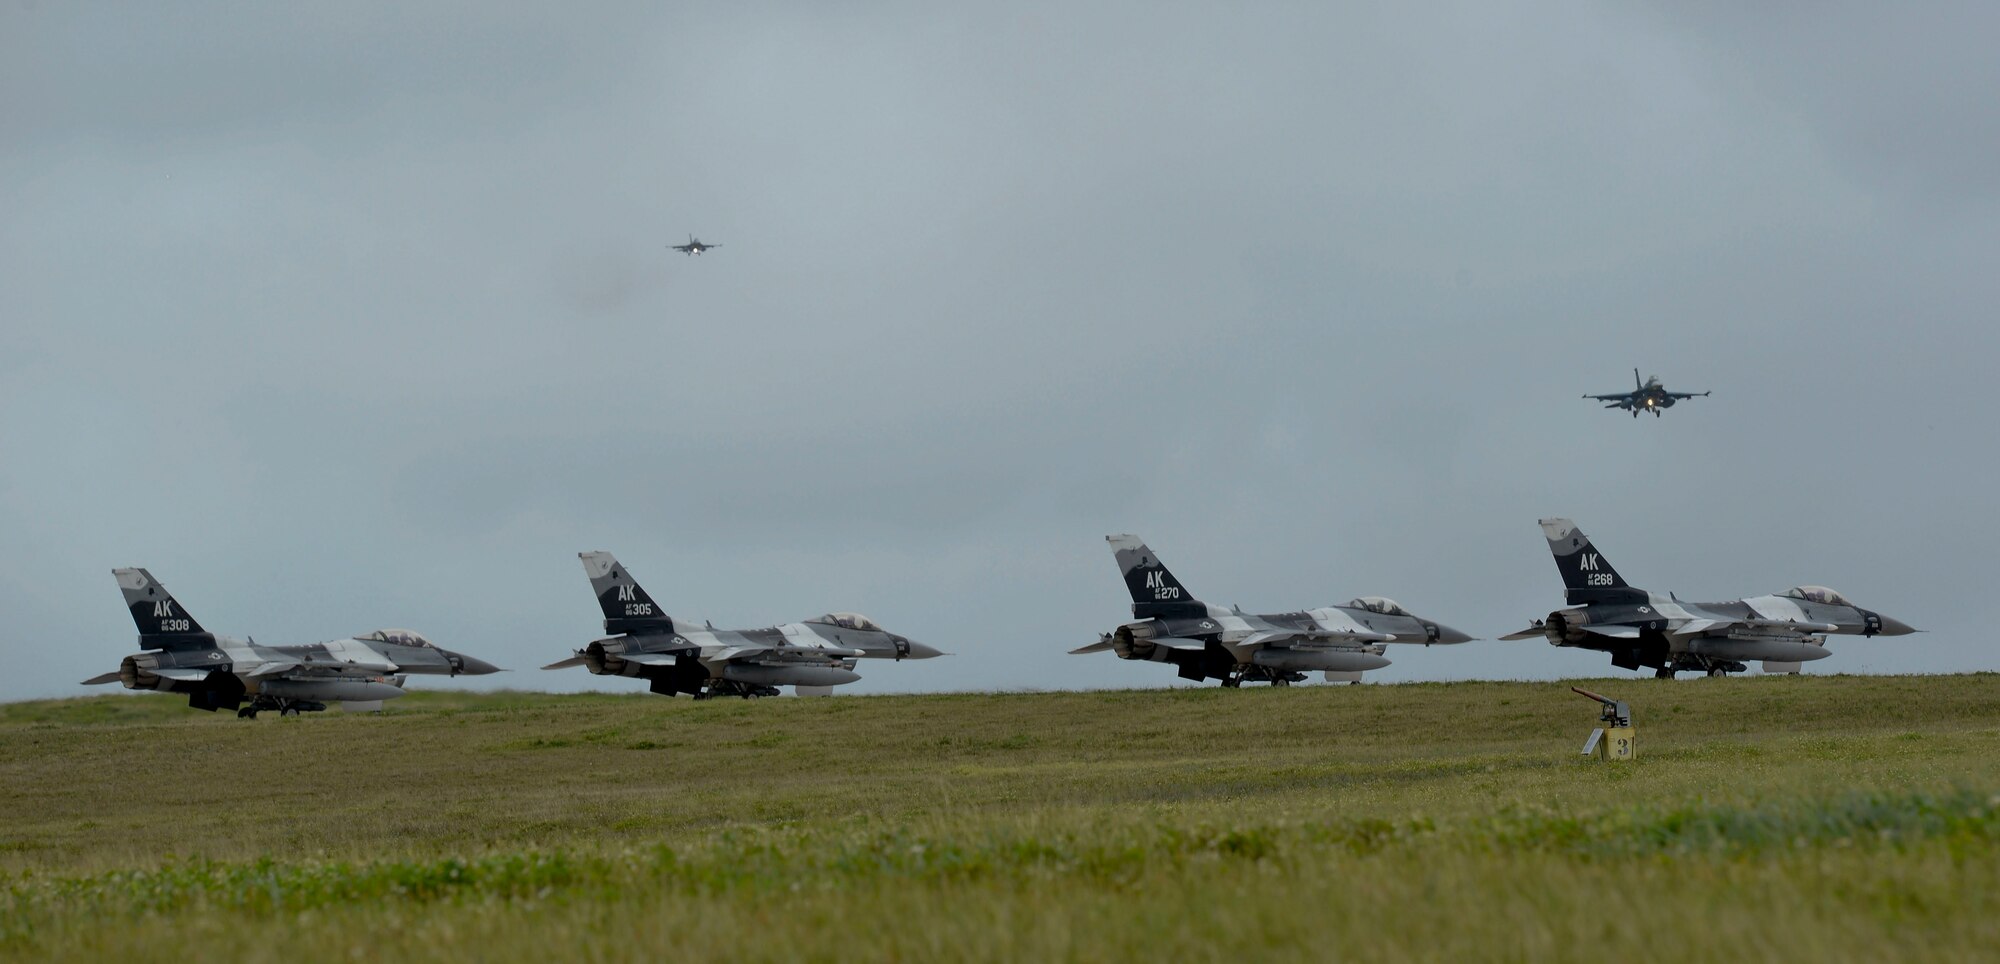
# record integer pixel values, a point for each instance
(1096, 647)
(1536, 631)
(577, 660)
(111, 677)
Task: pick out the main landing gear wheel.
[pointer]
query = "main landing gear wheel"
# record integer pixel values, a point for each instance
(247, 713)
(1281, 682)
(1717, 672)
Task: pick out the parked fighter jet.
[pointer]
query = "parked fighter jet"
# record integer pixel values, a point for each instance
(675, 656)
(694, 246)
(218, 672)
(1640, 628)
(1204, 641)
(1645, 396)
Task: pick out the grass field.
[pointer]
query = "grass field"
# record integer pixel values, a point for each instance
(1832, 818)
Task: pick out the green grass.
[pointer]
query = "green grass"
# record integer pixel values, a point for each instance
(1844, 818)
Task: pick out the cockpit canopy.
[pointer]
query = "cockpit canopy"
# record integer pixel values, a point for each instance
(1818, 594)
(1378, 604)
(851, 621)
(397, 637)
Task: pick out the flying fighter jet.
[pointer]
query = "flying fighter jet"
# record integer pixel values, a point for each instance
(218, 672)
(1645, 396)
(1203, 641)
(676, 656)
(1641, 628)
(694, 246)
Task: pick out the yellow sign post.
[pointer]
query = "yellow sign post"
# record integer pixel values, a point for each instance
(1614, 739)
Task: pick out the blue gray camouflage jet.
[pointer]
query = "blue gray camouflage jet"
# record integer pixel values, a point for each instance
(677, 656)
(1647, 396)
(221, 672)
(694, 246)
(1209, 642)
(1640, 628)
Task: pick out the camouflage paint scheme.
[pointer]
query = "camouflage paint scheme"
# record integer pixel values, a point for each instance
(1209, 642)
(678, 656)
(223, 672)
(1640, 628)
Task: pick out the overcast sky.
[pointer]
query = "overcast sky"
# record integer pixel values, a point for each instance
(353, 315)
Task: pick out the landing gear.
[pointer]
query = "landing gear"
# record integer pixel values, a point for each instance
(1240, 675)
(1708, 666)
(285, 707)
(723, 687)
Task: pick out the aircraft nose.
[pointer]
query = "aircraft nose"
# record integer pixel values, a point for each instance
(1893, 627)
(1446, 634)
(921, 651)
(471, 666)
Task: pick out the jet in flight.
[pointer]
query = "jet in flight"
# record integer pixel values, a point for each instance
(677, 656)
(1203, 641)
(220, 672)
(1645, 396)
(694, 246)
(1640, 628)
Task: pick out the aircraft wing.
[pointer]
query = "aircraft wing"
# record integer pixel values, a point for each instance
(1697, 627)
(735, 652)
(1615, 632)
(1620, 397)
(648, 659)
(1687, 394)
(1309, 637)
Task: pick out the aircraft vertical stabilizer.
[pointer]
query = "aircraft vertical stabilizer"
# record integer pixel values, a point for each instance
(1587, 576)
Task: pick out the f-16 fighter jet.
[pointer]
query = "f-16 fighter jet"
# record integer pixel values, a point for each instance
(694, 246)
(1640, 628)
(220, 672)
(1647, 396)
(676, 656)
(1209, 642)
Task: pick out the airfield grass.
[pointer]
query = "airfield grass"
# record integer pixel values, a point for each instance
(1835, 818)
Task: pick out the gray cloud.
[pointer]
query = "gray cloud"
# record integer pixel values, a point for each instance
(364, 316)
